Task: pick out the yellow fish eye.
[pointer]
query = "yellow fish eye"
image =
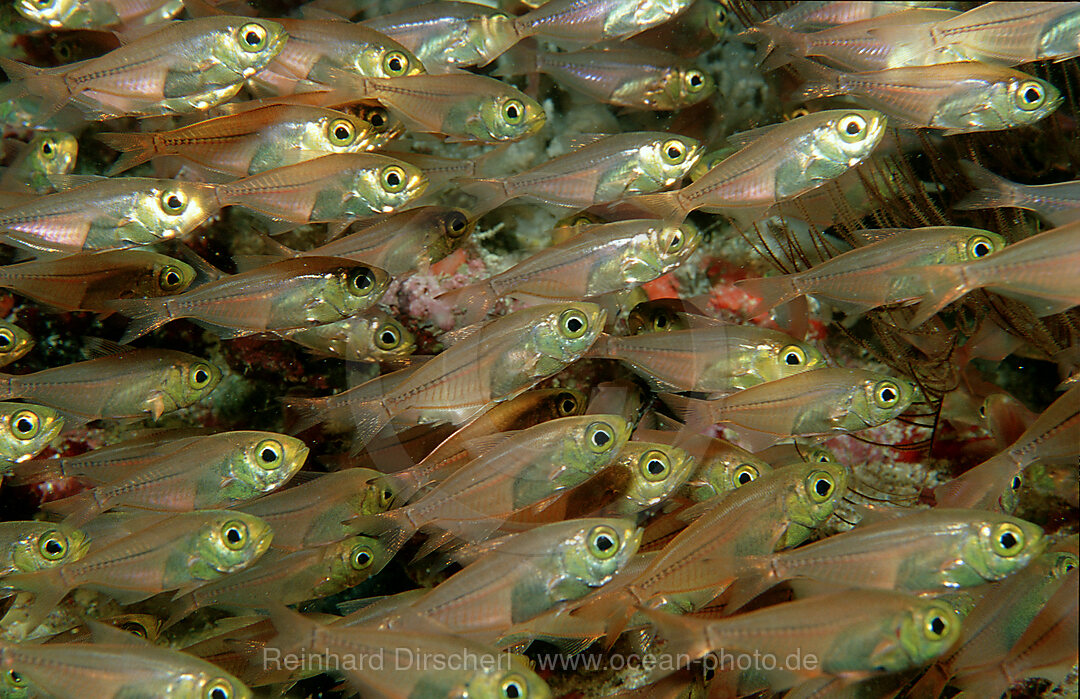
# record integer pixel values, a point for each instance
(173, 201)
(655, 466)
(513, 687)
(269, 454)
(52, 545)
(513, 111)
(567, 404)
(170, 278)
(361, 557)
(1030, 95)
(745, 474)
(673, 152)
(937, 625)
(48, 148)
(1064, 564)
(792, 355)
(821, 455)
(393, 178)
(376, 116)
(796, 113)
(25, 424)
(218, 688)
(852, 128)
(361, 282)
(599, 436)
(603, 542)
(674, 242)
(388, 337)
(200, 376)
(253, 37)
(395, 64)
(1008, 539)
(340, 132)
(886, 394)
(7, 340)
(235, 534)
(14, 679)
(979, 246)
(694, 81)
(573, 324)
(456, 223)
(820, 485)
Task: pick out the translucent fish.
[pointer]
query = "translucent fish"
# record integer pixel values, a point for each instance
(1057, 203)
(711, 360)
(250, 142)
(14, 342)
(778, 162)
(368, 336)
(593, 22)
(25, 429)
(96, 14)
(87, 281)
(825, 13)
(135, 383)
(720, 466)
(110, 213)
(29, 546)
(963, 97)
(48, 153)
(183, 67)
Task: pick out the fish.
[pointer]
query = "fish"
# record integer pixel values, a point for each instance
(365, 337)
(87, 281)
(14, 342)
(29, 546)
(97, 14)
(594, 22)
(819, 14)
(250, 142)
(719, 466)
(47, 153)
(1057, 203)
(26, 429)
(183, 67)
(125, 384)
(284, 295)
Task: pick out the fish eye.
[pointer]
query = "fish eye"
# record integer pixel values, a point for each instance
(514, 111)
(376, 116)
(200, 376)
(393, 178)
(599, 435)
(674, 152)
(1030, 95)
(745, 474)
(661, 321)
(793, 355)
(388, 337)
(170, 278)
(798, 112)
(135, 629)
(821, 455)
(25, 424)
(253, 37)
(361, 557)
(362, 281)
(886, 394)
(47, 147)
(603, 542)
(1008, 539)
(852, 127)
(341, 132)
(694, 80)
(979, 246)
(1064, 564)
(456, 223)
(235, 534)
(821, 486)
(513, 687)
(655, 466)
(52, 545)
(14, 679)
(269, 454)
(573, 324)
(675, 241)
(219, 688)
(567, 404)
(7, 340)
(1016, 482)
(937, 626)
(395, 64)
(173, 201)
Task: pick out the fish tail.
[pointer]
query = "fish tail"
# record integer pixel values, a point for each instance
(48, 588)
(605, 347)
(46, 83)
(135, 149)
(692, 412)
(820, 81)
(488, 193)
(665, 205)
(991, 190)
(769, 38)
(308, 412)
(772, 291)
(473, 301)
(682, 637)
(294, 631)
(78, 509)
(944, 284)
(144, 315)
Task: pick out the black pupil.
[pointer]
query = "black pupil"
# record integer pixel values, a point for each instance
(341, 132)
(604, 542)
(395, 64)
(512, 111)
(888, 395)
(791, 359)
(695, 80)
(574, 324)
(233, 536)
(46, 148)
(457, 224)
(393, 179)
(744, 478)
(568, 406)
(218, 693)
(1031, 95)
(1016, 483)
(852, 128)
(386, 494)
(937, 626)
(252, 38)
(655, 467)
(5, 342)
(388, 337)
(600, 438)
(673, 152)
(981, 249)
(173, 202)
(363, 281)
(822, 487)
(363, 557)
(513, 691)
(53, 547)
(661, 322)
(268, 455)
(24, 425)
(201, 376)
(377, 119)
(172, 278)
(1008, 540)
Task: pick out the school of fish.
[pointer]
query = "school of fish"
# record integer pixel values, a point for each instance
(497, 350)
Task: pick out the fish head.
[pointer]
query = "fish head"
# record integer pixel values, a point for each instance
(390, 339)
(880, 399)
(845, 137)
(50, 13)
(724, 471)
(924, 632)
(338, 133)
(592, 441)
(452, 228)
(384, 126)
(1060, 563)
(692, 86)
(656, 471)
(164, 277)
(265, 460)
(974, 244)
(599, 548)
(210, 684)
(354, 287)
(248, 44)
(49, 546)
(1003, 545)
(668, 159)
(53, 152)
(354, 560)
(506, 117)
(566, 331)
(26, 429)
(228, 542)
(14, 342)
(387, 59)
(171, 209)
(189, 381)
(492, 679)
(787, 356)
(814, 492)
(1020, 100)
(388, 184)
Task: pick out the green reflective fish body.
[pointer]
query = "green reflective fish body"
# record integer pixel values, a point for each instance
(820, 14)
(365, 337)
(14, 342)
(29, 546)
(215, 471)
(332, 188)
(638, 78)
(47, 153)
(654, 471)
(781, 162)
(97, 14)
(285, 295)
(962, 97)
(1057, 203)
(404, 241)
(849, 633)
(314, 513)
(494, 363)
(715, 359)
(821, 402)
(872, 275)
(526, 575)
(135, 383)
(720, 466)
(26, 429)
(603, 171)
(250, 142)
(87, 281)
(183, 67)
(449, 35)
(591, 22)
(110, 213)
(116, 669)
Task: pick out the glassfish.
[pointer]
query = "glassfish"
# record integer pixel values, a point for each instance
(26, 429)
(29, 546)
(97, 14)
(14, 342)
(365, 337)
(1057, 203)
(48, 153)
